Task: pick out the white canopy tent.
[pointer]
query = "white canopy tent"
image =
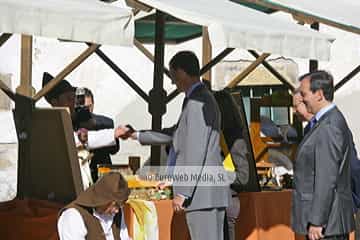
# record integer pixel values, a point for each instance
(77, 20)
(234, 26)
(342, 14)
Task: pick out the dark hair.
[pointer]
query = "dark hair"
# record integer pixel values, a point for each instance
(230, 115)
(321, 80)
(88, 93)
(187, 61)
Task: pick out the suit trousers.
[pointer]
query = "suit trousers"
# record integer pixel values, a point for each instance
(232, 213)
(206, 224)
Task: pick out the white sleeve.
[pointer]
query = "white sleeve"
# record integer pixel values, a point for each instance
(71, 226)
(124, 235)
(101, 138)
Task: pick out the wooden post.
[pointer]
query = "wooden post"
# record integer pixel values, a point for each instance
(206, 53)
(22, 115)
(313, 64)
(157, 105)
(25, 87)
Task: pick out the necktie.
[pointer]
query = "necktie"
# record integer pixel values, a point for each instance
(313, 121)
(310, 125)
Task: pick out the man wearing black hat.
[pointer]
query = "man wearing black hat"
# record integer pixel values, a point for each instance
(63, 95)
(96, 213)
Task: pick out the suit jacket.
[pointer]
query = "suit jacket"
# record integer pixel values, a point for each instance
(355, 180)
(322, 194)
(195, 140)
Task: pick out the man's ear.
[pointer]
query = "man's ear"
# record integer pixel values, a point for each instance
(320, 95)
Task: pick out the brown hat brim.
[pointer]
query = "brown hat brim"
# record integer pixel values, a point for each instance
(111, 187)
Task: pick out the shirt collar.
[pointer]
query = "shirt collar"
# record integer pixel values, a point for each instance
(324, 110)
(106, 220)
(192, 88)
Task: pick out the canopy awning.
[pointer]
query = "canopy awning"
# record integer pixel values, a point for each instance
(342, 14)
(77, 20)
(234, 26)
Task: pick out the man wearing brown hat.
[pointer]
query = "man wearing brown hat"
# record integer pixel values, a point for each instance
(96, 213)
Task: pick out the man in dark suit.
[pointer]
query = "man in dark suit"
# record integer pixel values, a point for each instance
(195, 145)
(322, 203)
(101, 155)
(305, 116)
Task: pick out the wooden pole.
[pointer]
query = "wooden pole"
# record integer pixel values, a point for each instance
(25, 87)
(206, 53)
(313, 64)
(157, 105)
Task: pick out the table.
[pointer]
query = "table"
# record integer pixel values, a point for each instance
(263, 216)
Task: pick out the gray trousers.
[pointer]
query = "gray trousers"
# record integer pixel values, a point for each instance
(232, 213)
(206, 224)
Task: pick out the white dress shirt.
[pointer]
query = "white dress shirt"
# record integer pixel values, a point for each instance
(71, 226)
(99, 138)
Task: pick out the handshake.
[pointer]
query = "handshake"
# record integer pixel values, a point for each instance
(125, 132)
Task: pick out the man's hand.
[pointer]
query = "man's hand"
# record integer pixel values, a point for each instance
(82, 135)
(178, 202)
(315, 232)
(121, 132)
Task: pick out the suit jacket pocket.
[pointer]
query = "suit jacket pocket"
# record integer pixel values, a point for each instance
(306, 196)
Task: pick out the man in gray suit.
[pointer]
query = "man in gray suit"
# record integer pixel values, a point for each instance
(322, 203)
(195, 144)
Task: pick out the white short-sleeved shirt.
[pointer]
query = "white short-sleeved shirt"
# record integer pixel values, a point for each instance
(71, 226)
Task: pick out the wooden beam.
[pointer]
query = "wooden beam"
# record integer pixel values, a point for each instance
(138, 5)
(216, 60)
(4, 37)
(25, 88)
(248, 70)
(122, 74)
(149, 55)
(347, 78)
(172, 95)
(7, 90)
(66, 71)
(206, 53)
(308, 17)
(274, 72)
